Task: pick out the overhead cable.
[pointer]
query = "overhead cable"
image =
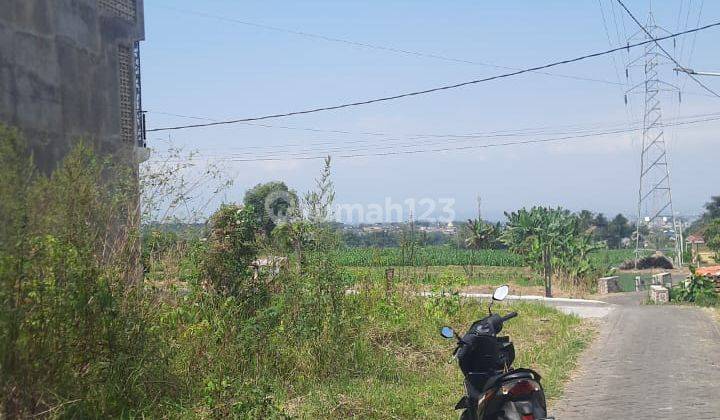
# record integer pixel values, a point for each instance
(431, 90)
(667, 54)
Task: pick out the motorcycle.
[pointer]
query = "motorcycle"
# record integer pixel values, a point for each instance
(494, 389)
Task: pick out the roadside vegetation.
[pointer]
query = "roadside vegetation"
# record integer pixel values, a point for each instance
(84, 334)
(697, 289)
(707, 228)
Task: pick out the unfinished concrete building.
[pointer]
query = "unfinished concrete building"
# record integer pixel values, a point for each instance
(70, 70)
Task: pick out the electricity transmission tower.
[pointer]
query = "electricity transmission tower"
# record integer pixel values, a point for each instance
(655, 210)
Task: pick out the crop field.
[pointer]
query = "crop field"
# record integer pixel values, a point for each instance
(611, 257)
(426, 256)
(444, 255)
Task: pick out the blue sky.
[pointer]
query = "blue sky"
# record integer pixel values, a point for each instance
(196, 62)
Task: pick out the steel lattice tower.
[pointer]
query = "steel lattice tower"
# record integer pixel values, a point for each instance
(655, 206)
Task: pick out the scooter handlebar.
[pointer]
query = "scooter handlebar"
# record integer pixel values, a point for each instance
(509, 316)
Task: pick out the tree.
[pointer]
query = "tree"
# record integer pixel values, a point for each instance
(712, 208)
(600, 227)
(617, 229)
(586, 220)
(319, 201)
(270, 202)
(573, 259)
(308, 224)
(541, 234)
(712, 237)
(712, 212)
(480, 235)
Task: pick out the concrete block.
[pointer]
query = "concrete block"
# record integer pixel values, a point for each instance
(608, 285)
(661, 278)
(639, 283)
(659, 294)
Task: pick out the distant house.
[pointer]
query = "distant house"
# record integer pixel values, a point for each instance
(712, 271)
(373, 229)
(696, 240)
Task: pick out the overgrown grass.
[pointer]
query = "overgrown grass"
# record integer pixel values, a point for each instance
(376, 355)
(425, 384)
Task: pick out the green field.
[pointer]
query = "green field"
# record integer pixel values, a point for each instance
(425, 256)
(446, 255)
(611, 257)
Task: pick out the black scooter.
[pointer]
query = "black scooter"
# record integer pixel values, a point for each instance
(494, 390)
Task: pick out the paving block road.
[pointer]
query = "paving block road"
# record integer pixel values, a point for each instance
(648, 362)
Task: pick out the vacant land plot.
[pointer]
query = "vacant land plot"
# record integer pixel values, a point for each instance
(423, 384)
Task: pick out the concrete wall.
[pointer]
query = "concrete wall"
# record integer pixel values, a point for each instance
(60, 73)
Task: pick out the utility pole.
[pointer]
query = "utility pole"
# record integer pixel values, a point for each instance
(479, 208)
(654, 205)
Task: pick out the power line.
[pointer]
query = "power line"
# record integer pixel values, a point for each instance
(607, 34)
(388, 138)
(655, 40)
(467, 147)
(687, 19)
(436, 89)
(495, 133)
(377, 47)
(692, 46)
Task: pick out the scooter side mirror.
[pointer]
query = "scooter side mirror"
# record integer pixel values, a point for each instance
(501, 292)
(447, 332)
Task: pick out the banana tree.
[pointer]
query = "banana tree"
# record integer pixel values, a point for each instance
(574, 260)
(540, 234)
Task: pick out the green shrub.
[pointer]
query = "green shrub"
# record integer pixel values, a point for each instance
(231, 247)
(697, 289)
(72, 333)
